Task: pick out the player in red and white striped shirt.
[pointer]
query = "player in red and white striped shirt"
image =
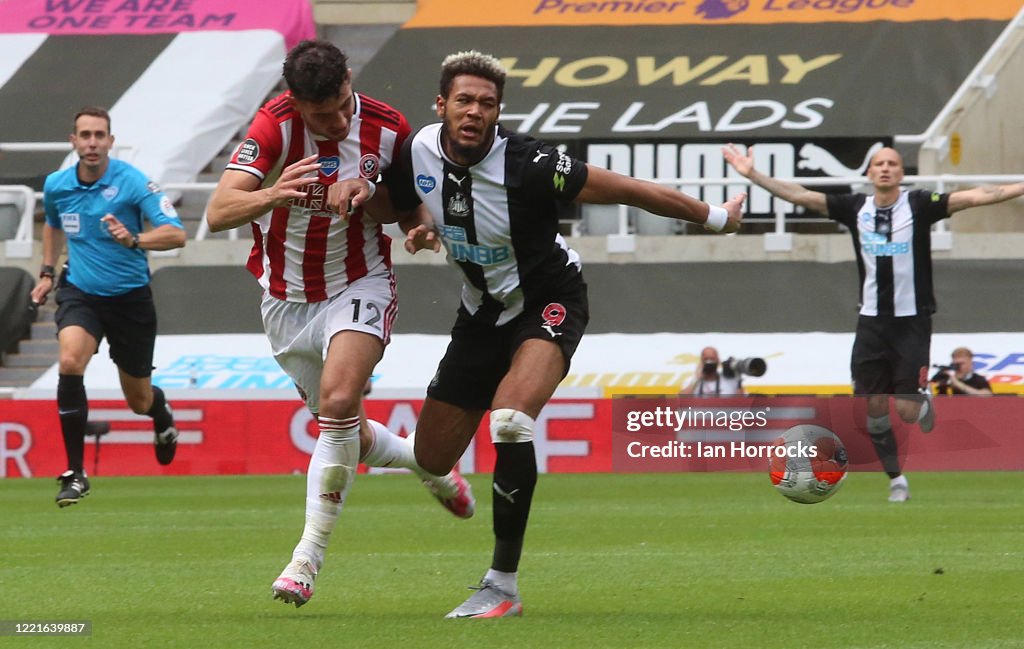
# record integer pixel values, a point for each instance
(329, 292)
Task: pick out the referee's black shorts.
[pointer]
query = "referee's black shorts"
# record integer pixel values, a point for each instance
(128, 321)
(480, 354)
(890, 354)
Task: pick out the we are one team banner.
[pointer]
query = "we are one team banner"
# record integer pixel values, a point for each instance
(626, 434)
(292, 18)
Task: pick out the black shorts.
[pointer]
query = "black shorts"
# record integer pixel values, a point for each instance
(890, 355)
(128, 321)
(479, 354)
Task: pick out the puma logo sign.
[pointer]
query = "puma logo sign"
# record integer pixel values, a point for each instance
(506, 495)
(547, 328)
(455, 179)
(815, 158)
(540, 155)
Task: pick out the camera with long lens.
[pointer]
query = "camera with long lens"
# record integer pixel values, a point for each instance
(752, 366)
(941, 375)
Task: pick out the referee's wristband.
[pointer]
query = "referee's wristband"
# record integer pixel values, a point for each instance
(47, 271)
(718, 217)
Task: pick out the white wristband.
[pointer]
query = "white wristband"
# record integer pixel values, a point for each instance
(718, 217)
(373, 188)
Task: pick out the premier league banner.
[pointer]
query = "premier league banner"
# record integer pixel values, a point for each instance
(654, 89)
(728, 70)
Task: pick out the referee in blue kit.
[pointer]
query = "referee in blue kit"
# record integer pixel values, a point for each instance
(98, 207)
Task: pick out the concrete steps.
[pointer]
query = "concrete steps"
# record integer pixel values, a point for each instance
(35, 354)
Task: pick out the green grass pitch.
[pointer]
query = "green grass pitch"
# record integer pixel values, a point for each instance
(686, 560)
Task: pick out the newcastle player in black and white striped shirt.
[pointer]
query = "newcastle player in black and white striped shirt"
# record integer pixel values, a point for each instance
(891, 231)
(491, 197)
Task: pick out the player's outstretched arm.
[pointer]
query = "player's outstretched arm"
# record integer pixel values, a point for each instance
(984, 195)
(743, 163)
(605, 187)
(237, 200)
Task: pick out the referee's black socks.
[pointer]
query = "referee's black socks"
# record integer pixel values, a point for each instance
(73, 409)
(162, 419)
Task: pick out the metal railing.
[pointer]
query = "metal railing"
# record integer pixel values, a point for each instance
(975, 80)
(20, 246)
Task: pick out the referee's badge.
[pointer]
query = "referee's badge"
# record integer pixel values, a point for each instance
(70, 222)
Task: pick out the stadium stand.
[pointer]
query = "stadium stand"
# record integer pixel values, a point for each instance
(567, 87)
(657, 95)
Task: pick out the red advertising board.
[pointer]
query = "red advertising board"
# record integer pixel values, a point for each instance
(221, 437)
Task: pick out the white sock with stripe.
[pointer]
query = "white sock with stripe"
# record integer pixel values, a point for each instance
(394, 451)
(332, 467)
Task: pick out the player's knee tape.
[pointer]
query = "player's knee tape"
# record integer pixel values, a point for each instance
(879, 425)
(510, 426)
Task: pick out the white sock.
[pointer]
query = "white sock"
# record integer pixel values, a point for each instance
(899, 481)
(332, 467)
(507, 581)
(394, 451)
(388, 449)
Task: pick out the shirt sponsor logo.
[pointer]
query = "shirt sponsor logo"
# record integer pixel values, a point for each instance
(70, 222)
(110, 193)
(426, 183)
(459, 250)
(453, 233)
(477, 254)
(248, 152)
(879, 246)
(329, 165)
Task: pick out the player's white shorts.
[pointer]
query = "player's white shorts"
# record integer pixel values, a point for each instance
(300, 333)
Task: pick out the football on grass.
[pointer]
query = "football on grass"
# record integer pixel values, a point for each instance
(808, 464)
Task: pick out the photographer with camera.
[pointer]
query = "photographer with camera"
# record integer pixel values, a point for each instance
(959, 377)
(709, 382)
